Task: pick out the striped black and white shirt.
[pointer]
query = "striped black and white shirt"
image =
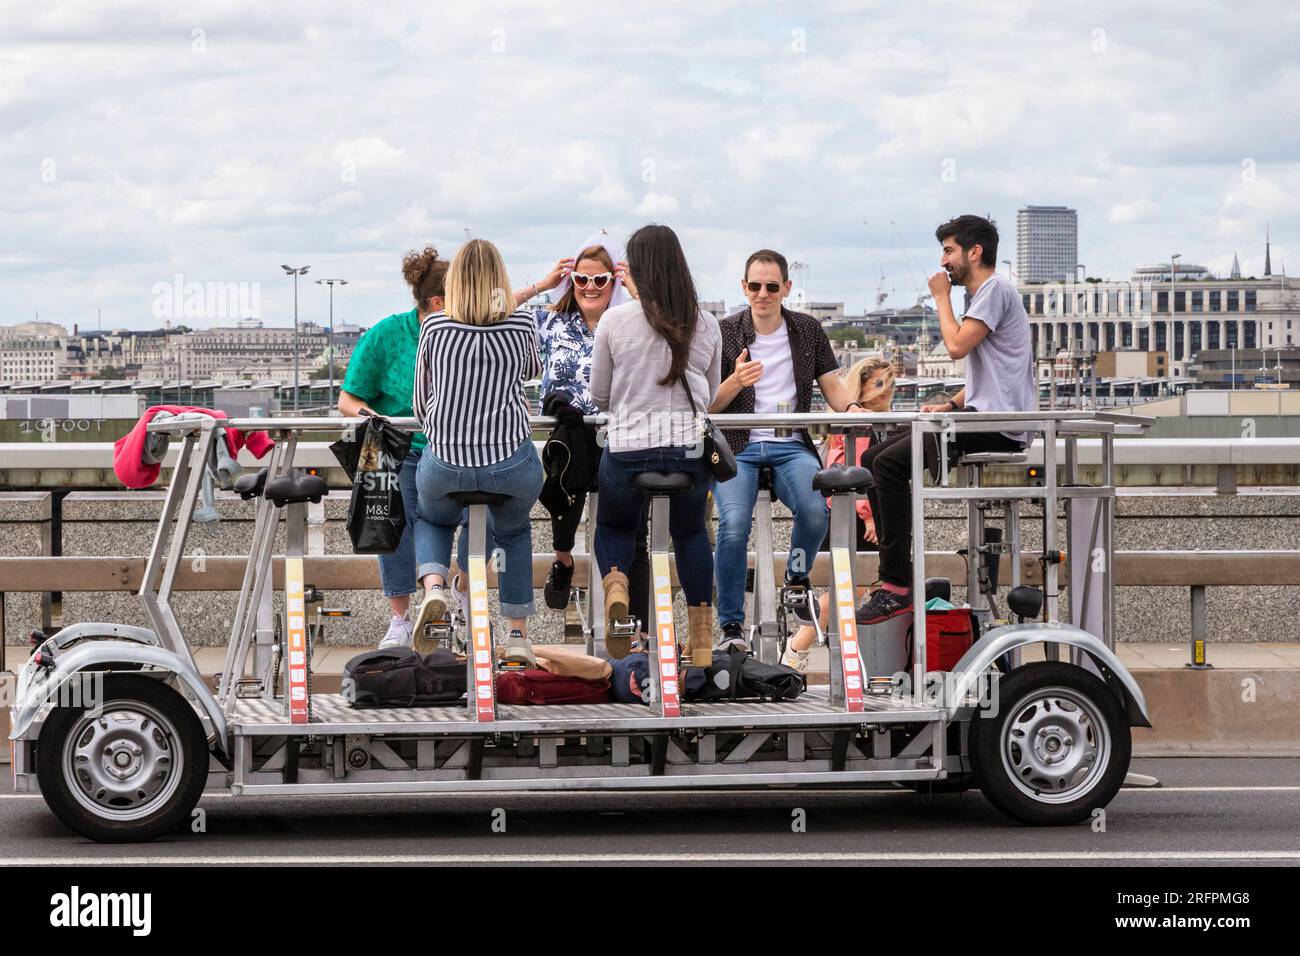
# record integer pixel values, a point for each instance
(469, 387)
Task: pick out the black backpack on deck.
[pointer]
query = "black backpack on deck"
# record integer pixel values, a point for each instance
(401, 677)
(737, 675)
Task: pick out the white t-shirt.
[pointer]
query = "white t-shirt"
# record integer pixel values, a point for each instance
(777, 381)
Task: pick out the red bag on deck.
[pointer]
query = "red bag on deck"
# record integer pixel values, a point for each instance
(531, 686)
(948, 635)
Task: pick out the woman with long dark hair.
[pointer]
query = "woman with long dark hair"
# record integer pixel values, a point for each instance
(656, 365)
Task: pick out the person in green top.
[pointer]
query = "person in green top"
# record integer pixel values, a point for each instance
(381, 379)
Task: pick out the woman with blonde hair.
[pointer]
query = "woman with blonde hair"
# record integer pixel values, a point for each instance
(874, 376)
(471, 365)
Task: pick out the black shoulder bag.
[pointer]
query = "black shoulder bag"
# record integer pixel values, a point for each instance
(718, 454)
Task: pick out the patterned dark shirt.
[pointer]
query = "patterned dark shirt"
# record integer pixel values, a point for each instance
(809, 347)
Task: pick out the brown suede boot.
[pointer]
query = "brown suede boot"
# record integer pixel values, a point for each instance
(616, 601)
(699, 640)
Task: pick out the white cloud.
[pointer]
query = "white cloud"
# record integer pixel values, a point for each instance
(342, 135)
(654, 204)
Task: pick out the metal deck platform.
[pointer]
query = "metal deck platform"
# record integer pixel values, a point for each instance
(333, 715)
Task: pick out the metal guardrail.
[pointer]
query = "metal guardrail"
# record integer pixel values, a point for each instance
(1144, 451)
(1196, 570)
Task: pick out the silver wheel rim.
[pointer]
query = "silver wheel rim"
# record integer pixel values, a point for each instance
(1055, 745)
(124, 763)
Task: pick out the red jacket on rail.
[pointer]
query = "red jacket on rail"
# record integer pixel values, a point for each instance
(128, 450)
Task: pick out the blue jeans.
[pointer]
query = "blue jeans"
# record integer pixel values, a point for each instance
(793, 467)
(621, 508)
(397, 570)
(520, 478)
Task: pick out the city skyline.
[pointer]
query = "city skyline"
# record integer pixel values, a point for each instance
(217, 150)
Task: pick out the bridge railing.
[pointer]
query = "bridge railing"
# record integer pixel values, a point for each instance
(1195, 570)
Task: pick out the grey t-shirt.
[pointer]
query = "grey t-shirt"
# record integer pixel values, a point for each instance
(1000, 370)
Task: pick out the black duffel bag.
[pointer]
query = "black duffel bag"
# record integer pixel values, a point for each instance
(738, 675)
(402, 677)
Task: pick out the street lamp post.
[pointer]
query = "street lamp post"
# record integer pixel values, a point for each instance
(300, 271)
(1173, 298)
(329, 340)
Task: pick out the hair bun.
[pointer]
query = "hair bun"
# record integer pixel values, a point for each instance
(416, 265)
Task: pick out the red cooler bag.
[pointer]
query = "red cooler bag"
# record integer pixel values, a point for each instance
(948, 635)
(530, 686)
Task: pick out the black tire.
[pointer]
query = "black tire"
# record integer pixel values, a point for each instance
(1017, 778)
(142, 718)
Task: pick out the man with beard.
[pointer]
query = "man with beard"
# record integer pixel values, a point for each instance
(993, 337)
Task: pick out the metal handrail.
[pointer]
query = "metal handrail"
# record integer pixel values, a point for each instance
(791, 419)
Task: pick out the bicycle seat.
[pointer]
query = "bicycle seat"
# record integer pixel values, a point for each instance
(841, 481)
(295, 488)
(250, 485)
(764, 477)
(663, 482)
(467, 498)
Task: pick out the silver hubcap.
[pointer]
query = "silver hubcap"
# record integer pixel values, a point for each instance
(1055, 745)
(125, 762)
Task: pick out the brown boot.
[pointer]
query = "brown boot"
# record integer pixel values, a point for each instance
(616, 601)
(699, 640)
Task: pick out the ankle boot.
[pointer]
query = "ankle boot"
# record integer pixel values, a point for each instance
(616, 601)
(699, 640)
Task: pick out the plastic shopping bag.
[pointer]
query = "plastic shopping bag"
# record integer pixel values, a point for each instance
(373, 460)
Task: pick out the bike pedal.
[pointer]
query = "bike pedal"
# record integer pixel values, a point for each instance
(882, 686)
(794, 598)
(248, 687)
(629, 627)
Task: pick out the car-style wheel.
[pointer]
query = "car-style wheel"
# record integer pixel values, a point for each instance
(1057, 748)
(128, 770)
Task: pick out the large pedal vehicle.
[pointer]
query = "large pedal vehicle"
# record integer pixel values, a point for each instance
(122, 734)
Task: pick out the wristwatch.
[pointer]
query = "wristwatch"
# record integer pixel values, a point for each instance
(953, 406)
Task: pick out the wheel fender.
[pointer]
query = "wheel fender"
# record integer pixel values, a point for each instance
(104, 631)
(36, 686)
(976, 661)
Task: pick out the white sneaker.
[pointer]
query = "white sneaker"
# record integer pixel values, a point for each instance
(518, 650)
(796, 659)
(433, 608)
(462, 598)
(399, 634)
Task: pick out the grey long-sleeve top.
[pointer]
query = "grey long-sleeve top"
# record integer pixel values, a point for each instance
(627, 363)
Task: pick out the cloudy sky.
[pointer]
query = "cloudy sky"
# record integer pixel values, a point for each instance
(139, 142)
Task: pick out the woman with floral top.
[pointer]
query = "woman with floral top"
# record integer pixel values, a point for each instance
(565, 337)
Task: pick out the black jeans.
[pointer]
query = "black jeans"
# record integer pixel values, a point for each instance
(564, 533)
(890, 463)
(564, 527)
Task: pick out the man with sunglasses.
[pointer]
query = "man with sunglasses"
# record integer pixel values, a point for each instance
(771, 358)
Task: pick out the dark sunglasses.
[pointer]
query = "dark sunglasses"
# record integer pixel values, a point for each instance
(581, 279)
(772, 287)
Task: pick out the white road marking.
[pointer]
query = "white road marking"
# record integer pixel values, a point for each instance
(473, 858)
(221, 795)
